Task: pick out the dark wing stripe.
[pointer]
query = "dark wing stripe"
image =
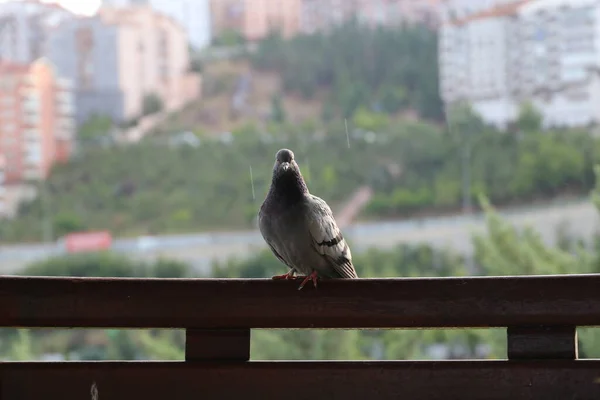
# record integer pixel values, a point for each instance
(328, 240)
(332, 242)
(342, 265)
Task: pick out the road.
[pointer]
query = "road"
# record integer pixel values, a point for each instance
(452, 232)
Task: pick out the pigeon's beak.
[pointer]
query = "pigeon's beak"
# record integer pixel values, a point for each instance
(285, 166)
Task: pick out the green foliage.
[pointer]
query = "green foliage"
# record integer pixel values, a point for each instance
(508, 251)
(393, 68)
(67, 222)
(95, 128)
(277, 109)
(229, 38)
(463, 122)
(151, 104)
(106, 264)
(529, 119)
(394, 99)
(369, 120)
(412, 167)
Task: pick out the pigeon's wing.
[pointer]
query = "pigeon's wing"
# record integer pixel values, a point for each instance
(265, 231)
(279, 257)
(327, 238)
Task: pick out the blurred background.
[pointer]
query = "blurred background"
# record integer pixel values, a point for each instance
(451, 138)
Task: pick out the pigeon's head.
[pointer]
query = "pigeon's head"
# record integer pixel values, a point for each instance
(285, 163)
(287, 179)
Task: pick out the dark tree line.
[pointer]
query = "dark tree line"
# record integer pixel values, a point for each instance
(385, 69)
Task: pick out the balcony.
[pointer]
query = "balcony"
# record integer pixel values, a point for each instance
(32, 136)
(66, 125)
(66, 108)
(541, 314)
(65, 84)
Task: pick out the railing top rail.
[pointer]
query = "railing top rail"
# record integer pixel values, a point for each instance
(563, 300)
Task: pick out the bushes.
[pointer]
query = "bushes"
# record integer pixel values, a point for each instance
(106, 264)
(412, 167)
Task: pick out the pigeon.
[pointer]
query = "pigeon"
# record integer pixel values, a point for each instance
(300, 228)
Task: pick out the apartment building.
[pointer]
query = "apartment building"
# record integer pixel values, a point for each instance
(120, 56)
(318, 15)
(24, 28)
(36, 120)
(559, 73)
(255, 19)
(193, 15)
(476, 57)
(540, 51)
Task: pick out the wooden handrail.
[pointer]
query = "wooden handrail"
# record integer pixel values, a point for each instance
(571, 300)
(541, 314)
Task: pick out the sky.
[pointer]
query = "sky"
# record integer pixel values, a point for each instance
(83, 7)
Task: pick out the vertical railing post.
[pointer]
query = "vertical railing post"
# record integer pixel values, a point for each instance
(217, 345)
(542, 343)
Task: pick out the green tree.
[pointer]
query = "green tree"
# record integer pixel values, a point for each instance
(95, 128)
(355, 63)
(529, 119)
(151, 104)
(278, 113)
(411, 166)
(369, 120)
(508, 251)
(229, 37)
(67, 222)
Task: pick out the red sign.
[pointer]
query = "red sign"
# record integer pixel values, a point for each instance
(88, 241)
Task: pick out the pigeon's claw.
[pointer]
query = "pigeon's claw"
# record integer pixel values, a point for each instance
(288, 276)
(312, 277)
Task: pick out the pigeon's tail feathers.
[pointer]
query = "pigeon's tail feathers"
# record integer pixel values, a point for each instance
(328, 239)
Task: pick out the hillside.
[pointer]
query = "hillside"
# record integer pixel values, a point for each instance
(412, 168)
(319, 77)
(214, 113)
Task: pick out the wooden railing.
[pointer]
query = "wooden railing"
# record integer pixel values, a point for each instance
(541, 314)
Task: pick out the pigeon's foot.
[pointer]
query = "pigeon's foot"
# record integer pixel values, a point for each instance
(312, 277)
(288, 276)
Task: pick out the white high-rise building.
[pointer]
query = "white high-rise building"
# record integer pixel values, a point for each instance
(193, 15)
(543, 51)
(25, 26)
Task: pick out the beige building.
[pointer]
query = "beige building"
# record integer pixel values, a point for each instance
(153, 57)
(118, 57)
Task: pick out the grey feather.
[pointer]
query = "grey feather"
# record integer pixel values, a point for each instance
(300, 228)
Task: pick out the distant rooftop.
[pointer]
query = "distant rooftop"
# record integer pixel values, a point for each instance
(502, 10)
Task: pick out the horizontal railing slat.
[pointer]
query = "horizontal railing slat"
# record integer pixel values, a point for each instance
(413, 380)
(568, 300)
